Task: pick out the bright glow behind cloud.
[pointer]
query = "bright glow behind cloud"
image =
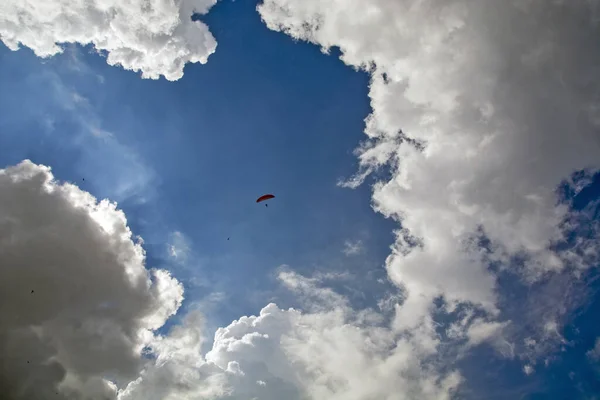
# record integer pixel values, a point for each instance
(156, 37)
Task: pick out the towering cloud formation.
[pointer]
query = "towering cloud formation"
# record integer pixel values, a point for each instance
(76, 302)
(156, 37)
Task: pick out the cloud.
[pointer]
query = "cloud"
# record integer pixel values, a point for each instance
(77, 304)
(528, 369)
(178, 370)
(178, 246)
(480, 109)
(481, 331)
(353, 248)
(331, 352)
(156, 37)
(594, 353)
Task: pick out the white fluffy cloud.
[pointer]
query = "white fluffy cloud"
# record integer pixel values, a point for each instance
(480, 110)
(156, 37)
(334, 353)
(77, 304)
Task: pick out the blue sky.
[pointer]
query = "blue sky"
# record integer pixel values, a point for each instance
(400, 256)
(276, 116)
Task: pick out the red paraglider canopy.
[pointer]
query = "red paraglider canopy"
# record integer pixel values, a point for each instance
(264, 197)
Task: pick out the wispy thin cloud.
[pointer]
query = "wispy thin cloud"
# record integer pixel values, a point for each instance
(178, 247)
(352, 248)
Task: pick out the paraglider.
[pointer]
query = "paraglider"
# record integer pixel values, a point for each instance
(265, 197)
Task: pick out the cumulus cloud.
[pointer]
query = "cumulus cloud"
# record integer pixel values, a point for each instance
(333, 352)
(179, 370)
(156, 37)
(77, 305)
(480, 109)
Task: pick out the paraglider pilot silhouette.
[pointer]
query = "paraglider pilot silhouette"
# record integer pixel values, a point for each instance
(265, 197)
